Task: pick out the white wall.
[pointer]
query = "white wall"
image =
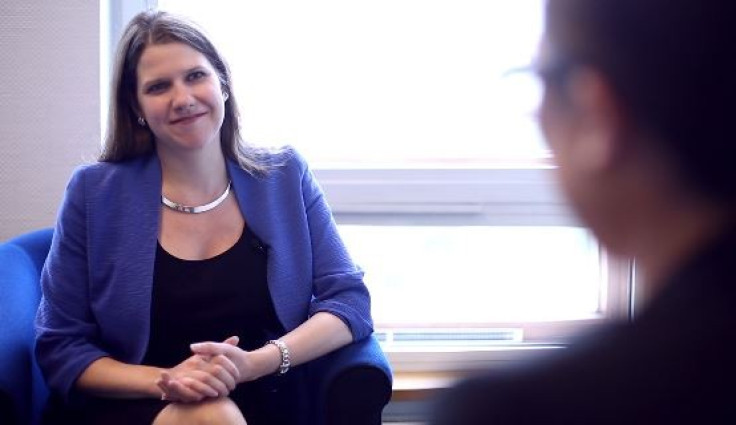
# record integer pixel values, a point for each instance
(49, 105)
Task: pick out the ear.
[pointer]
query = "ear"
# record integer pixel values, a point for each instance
(137, 112)
(599, 141)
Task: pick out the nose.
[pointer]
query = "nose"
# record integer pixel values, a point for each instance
(182, 98)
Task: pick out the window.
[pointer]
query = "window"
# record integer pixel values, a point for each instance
(382, 82)
(425, 142)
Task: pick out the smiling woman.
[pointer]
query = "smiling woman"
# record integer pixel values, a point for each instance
(224, 258)
(180, 98)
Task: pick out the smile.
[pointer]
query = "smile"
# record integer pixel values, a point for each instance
(188, 119)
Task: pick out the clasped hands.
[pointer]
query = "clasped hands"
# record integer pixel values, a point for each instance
(214, 370)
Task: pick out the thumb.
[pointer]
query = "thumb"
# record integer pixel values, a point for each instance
(233, 340)
(208, 348)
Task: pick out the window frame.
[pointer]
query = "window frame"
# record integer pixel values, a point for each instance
(499, 196)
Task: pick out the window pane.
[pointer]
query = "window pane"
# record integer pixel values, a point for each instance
(426, 275)
(382, 81)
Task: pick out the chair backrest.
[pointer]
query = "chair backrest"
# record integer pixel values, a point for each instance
(21, 261)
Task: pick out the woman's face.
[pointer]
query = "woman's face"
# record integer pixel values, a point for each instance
(180, 97)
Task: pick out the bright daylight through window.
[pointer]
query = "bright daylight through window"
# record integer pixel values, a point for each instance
(425, 141)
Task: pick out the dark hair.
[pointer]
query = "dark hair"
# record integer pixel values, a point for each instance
(127, 139)
(671, 65)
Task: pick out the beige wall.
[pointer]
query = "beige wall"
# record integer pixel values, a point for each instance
(49, 105)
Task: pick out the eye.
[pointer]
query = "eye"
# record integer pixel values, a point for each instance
(196, 75)
(156, 87)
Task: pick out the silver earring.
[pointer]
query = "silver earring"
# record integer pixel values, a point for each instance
(141, 121)
(225, 96)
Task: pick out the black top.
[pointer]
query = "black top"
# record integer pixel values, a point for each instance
(210, 300)
(207, 300)
(672, 365)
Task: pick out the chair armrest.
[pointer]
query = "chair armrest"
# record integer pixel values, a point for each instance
(35, 244)
(20, 378)
(353, 384)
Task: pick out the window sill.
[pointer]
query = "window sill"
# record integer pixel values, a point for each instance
(461, 359)
(421, 373)
(419, 386)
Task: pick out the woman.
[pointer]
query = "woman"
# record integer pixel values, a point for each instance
(638, 102)
(183, 234)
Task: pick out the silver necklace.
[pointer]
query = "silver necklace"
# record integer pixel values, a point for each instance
(198, 209)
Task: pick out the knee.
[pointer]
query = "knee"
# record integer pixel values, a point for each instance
(210, 412)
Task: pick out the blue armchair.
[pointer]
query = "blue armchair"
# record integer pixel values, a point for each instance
(352, 385)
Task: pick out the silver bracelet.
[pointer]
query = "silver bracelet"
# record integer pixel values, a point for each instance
(285, 360)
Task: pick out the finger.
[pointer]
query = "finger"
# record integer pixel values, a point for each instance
(171, 391)
(228, 365)
(163, 385)
(233, 340)
(215, 374)
(181, 392)
(210, 348)
(164, 389)
(219, 373)
(212, 381)
(196, 361)
(200, 361)
(201, 387)
(168, 393)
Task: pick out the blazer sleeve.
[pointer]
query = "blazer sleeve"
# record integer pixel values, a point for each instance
(65, 327)
(338, 286)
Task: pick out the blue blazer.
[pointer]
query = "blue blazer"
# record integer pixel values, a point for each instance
(98, 277)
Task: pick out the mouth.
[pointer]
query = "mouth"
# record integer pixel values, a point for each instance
(188, 119)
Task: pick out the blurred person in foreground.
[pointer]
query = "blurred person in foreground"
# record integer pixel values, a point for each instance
(638, 107)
